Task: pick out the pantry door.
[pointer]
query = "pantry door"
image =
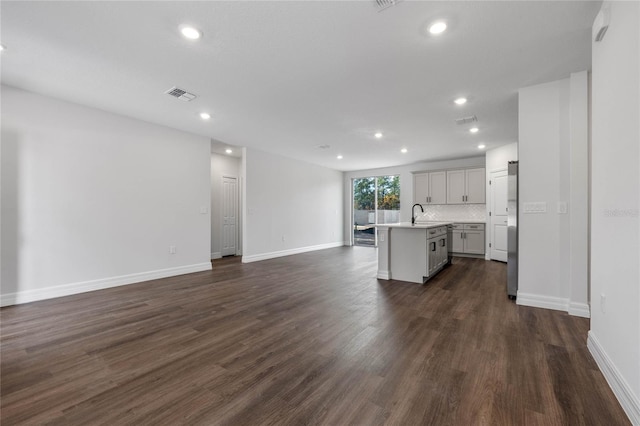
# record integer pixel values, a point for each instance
(229, 216)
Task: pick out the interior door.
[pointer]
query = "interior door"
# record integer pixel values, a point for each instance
(498, 218)
(229, 215)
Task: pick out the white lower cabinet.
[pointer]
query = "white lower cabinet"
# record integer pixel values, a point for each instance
(468, 238)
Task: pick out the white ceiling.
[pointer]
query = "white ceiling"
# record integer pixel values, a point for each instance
(286, 77)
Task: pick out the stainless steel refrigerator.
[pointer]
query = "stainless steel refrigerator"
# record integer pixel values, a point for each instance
(512, 230)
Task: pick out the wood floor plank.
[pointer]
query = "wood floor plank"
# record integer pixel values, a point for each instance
(313, 338)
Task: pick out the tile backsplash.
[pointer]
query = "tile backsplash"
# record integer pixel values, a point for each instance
(453, 212)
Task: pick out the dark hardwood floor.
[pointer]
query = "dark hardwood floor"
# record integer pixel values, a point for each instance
(307, 339)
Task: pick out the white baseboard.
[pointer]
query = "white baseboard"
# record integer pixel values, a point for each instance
(216, 255)
(630, 403)
(555, 303)
(384, 275)
(538, 301)
(85, 286)
(579, 310)
(274, 254)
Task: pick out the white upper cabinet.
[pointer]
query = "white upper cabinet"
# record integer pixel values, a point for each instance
(476, 184)
(430, 188)
(438, 187)
(456, 189)
(421, 188)
(466, 186)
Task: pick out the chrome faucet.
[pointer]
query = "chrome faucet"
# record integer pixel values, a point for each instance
(413, 216)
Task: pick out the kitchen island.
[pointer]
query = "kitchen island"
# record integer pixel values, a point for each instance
(412, 252)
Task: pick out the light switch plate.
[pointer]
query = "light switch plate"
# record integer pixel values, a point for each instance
(534, 207)
(562, 207)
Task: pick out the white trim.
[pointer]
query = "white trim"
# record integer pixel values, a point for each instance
(630, 403)
(538, 301)
(216, 255)
(85, 286)
(579, 309)
(289, 252)
(384, 275)
(555, 303)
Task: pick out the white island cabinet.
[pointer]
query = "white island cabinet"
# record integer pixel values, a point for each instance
(412, 253)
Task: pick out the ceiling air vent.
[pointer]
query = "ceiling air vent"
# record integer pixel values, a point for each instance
(466, 120)
(183, 95)
(385, 4)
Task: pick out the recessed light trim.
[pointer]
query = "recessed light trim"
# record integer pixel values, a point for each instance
(2, 47)
(481, 146)
(339, 157)
(190, 33)
(474, 130)
(205, 115)
(403, 150)
(437, 27)
(460, 101)
(378, 135)
(228, 151)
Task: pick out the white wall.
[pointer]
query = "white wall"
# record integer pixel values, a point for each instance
(406, 185)
(495, 160)
(92, 199)
(553, 169)
(498, 158)
(290, 206)
(614, 339)
(221, 165)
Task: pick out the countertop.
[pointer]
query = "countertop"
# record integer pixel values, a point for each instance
(419, 225)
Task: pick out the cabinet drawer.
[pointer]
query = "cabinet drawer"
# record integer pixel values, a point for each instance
(474, 226)
(436, 231)
(457, 226)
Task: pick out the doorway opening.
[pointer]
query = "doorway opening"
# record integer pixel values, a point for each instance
(376, 201)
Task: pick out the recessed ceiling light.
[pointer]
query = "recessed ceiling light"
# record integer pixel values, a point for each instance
(339, 157)
(2, 47)
(403, 150)
(228, 151)
(205, 116)
(190, 33)
(378, 135)
(474, 130)
(460, 101)
(481, 146)
(437, 28)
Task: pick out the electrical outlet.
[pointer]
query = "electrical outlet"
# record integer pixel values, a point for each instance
(603, 303)
(283, 238)
(204, 210)
(172, 249)
(381, 238)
